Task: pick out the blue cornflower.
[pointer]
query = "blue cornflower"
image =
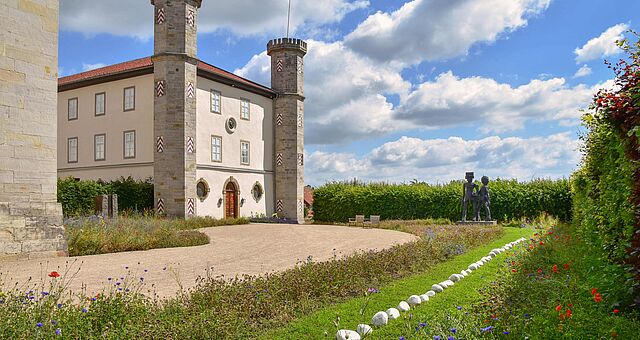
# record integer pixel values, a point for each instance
(54, 322)
(459, 307)
(453, 330)
(437, 337)
(486, 329)
(58, 331)
(526, 315)
(84, 310)
(39, 324)
(417, 328)
(451, 338)
(117, 283)
(59, 305)
(44, 293)
(505, 332)
(401, 338)
(94, 299)
(422, 324)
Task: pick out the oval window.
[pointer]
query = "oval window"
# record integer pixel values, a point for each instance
(202, 189)
(231, 125)
(257, 192)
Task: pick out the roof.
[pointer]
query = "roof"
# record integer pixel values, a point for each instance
(308, 195)
(142, 66)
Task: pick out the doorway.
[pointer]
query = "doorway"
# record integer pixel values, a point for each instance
(231, 200)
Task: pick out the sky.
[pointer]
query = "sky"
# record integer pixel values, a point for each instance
(402, 90)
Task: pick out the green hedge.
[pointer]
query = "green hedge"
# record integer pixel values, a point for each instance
(510, 199)
(78, 197)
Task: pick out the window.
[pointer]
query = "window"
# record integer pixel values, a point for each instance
(215, 101)
(72, 150)
(100, 103)
(72, 109)
(244, 109)
(129, 99)
(129, 144)
(257, 192)
(216, 149)
(99, 143)
(202, 189)
(244, 153)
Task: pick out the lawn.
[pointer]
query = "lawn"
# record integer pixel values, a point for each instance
(465, 292)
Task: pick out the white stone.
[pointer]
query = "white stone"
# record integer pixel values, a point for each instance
(431, 293)
(345, 334)
(403, 306)
(460, 276)
(364, 329)
(424, 298)
(449, 282)
(473, 266)
(414, 300)
(454, 278)
(437, 288)
(463, 273)
(393, 313)
(443, 284)
(493, 254)
(380, 319)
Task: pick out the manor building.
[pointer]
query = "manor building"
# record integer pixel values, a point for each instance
(214, 144)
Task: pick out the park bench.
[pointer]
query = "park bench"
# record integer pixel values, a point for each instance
(359, 219)
(374, 220)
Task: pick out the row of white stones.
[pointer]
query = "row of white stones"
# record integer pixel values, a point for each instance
(382, 318)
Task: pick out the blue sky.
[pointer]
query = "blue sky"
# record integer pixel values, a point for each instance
(397, 90)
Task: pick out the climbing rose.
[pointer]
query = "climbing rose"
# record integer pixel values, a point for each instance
(54, 274)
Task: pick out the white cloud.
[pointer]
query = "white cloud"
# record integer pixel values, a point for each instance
(495, 107)
(583, 71)
(344, 91)
(603, 45)
(242, 17)
(439, 29)
(442, 160)
(89, 67)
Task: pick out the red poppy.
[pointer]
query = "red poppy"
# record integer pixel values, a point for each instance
(566, 266)
(541, 243)
(569, 313)
(539, 270)
(558, 308)
(598, 297)
(54, 274)
(616, 311)
(594, 290)
(514, 270)
(570, 305)
(531, 247)
(555, 268)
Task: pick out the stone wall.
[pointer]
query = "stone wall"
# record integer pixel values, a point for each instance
(30, 218)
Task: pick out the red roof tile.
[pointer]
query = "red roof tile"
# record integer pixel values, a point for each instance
(144, 63)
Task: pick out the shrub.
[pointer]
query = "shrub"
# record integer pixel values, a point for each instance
(90, 236)
(510, 199)
(78, 197)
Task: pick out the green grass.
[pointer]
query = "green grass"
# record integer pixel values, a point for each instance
(129, 233)
(462, 293)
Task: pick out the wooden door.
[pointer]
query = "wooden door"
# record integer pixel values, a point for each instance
(231, 201)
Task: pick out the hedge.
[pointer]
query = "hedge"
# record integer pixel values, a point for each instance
(510, 199)
(78, 197)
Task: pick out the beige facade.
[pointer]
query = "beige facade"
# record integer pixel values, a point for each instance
(257, 131)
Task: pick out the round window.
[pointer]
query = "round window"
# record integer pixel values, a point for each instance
(202, 189)
(231, 125)
(257, 192)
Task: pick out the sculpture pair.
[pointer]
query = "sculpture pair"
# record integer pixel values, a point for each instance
(478, 197)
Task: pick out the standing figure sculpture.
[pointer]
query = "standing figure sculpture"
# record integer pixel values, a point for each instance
(484, 200)
(469, 192)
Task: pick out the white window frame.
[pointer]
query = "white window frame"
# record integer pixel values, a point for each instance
(104, 104)
(128, 152)
(216, 104)
(245, 109)
(129, 105)
(72, 114)
(217, 148)
(245, 154)
(72, 157)
(100, 154)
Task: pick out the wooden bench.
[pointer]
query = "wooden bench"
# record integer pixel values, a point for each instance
(374, 221)
(359, 219)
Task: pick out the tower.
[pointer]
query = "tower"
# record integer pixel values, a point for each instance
(287, 80)
(175, 77)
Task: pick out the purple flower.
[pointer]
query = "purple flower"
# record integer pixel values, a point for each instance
(44, 293)
(59, 305)
(58, 331)
(453, 330)
(422, 324)
(146, 270)
(505, 332)
(108, 279)
(84, 310)
(486, 329)
(94, 299)
(54, 322)
(126, 267)
(141, 279)
(451, 338)
(372, 290)
(39, 324)
(401, 338)
(117, 283)
(526, 315)
(437, 337)
(459, 307)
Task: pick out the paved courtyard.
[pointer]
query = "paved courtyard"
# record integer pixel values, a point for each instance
(233, 250)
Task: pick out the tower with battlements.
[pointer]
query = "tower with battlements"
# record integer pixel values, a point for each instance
(287, 80)
(175, 77)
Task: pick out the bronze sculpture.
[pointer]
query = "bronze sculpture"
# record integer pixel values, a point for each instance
(469, 194)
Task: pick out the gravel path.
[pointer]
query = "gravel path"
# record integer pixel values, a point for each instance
(233, 250)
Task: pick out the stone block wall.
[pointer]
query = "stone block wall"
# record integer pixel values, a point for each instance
(30, 217)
